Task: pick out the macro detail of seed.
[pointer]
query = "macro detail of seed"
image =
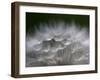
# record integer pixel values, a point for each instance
(57, 44)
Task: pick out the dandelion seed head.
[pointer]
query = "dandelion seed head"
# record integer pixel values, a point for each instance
(58, 44)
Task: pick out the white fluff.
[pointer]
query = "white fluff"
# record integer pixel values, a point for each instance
(57, 44)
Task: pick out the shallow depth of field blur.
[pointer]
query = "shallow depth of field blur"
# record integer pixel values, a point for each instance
(56, 39)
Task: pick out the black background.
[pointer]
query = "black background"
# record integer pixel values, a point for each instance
(33, 20)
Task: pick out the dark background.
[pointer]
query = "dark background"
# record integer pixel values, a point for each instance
(33, 20)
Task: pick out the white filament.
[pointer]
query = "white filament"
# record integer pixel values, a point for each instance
(57, 44)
